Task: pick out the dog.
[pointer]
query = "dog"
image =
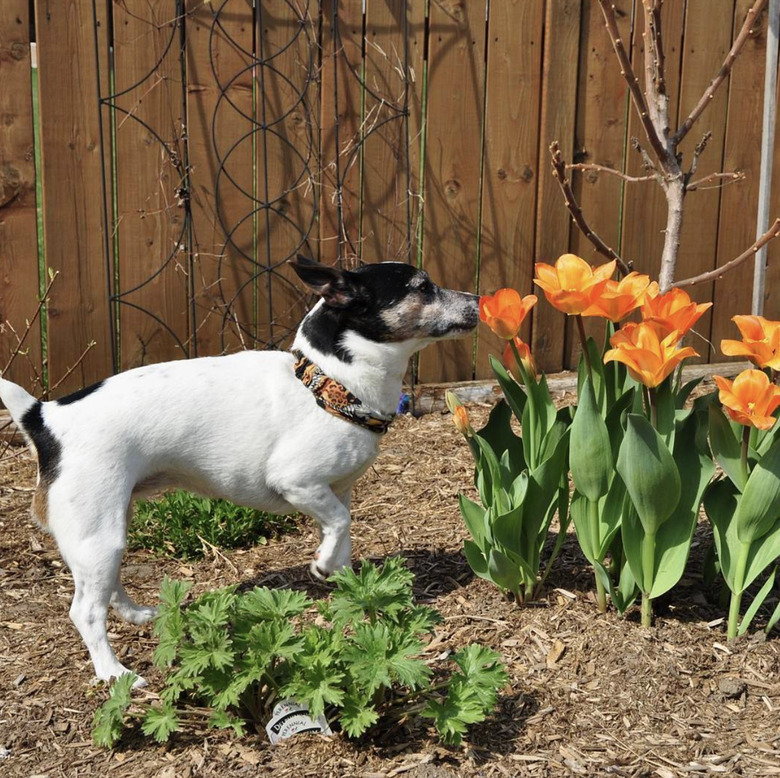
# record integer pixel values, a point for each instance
(279, 431)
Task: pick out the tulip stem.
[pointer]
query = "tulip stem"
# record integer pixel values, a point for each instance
(593, 521)
(745, 448)
(584, 341)
(532, 432)
(652, 399)
(736, 594)
(648, 570)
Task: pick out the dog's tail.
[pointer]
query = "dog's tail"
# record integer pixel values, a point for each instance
(17, 400)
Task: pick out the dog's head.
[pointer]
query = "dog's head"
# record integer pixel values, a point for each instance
(389, 302)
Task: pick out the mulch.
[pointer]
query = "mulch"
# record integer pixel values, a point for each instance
(589, 694)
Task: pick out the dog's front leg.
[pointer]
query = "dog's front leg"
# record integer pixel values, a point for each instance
(333, 516)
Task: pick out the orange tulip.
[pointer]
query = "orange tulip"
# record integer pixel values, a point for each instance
(505, 311)
(572, 285)
(460, 416)
(750, 399)
(510, 361)
(619, 298)
(760, 341)
(671, 311)
(648, 358)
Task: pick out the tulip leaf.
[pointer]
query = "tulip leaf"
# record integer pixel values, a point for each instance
(502, 572)
(759, 507)
(500, 437)
(624, 595)
(774, 619)
(725, 446)
(611, 510)
(615, 421)
(590, 451)
(758, 601)
(649, 473)
(476, 559)
(720, 504)
(682, 394)
(543, 485)
(474, 517)
(513, 392)
(579, 515)
(763, 552)
(664, 404)
(633, 535)
(507, 530)
(766, 438)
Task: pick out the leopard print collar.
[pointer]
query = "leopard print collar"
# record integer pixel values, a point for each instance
(336, 399)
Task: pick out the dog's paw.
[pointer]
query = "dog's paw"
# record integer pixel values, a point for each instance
(317, 573)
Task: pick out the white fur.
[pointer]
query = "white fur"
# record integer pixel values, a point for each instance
(241, 427)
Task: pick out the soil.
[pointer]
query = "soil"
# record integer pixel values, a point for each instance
(589, 694)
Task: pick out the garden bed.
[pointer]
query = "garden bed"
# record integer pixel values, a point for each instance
(588, 693)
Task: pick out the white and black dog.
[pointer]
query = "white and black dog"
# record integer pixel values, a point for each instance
(273, 430)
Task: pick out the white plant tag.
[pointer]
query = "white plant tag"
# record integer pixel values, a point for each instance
(290, 717)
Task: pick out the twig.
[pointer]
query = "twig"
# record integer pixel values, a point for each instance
(719, 272)
(83, 354)
(605, 169)
(647, 163)
(608, 9)
(559, 171)
(721, 75)
(658, 44)
(727, 178)
(698, 151)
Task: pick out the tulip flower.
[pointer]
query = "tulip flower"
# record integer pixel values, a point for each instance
(510, 358)
(619, 298)
(460, 416)
(505, 311)
(750, 399)
(572, 285)
(671, 311)
(760, 341)
(649, 359)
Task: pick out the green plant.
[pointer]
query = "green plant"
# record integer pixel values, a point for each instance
(230, 656)
(181, 524)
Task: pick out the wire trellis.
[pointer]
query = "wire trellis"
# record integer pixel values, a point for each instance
(261, 309)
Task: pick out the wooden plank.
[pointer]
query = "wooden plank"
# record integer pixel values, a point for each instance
(772, 285)
(559, 99)
(340, 132)
(737, 227)
(708, 29)
(73, 189)
(392, 73)
(644, 210)
(18, 225)
(511, 170)
(456, 74)
(286, 161)
(221, 155)
(600, 138)
(150, 218)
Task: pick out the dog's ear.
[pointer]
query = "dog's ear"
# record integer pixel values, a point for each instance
(335, 286)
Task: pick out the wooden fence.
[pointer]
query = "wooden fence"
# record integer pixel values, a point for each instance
(185, 149)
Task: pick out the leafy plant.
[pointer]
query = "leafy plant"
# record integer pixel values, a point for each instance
(231, 656)
(182, 525)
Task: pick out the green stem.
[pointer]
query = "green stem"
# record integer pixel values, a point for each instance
(535, 445)
(584, 341)
(745, 448)
(648, 569)
(653, 400)
(736, 592)
(593, 523)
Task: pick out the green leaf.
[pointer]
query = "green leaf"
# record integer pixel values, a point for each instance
(774, 620)
(161, 723)
(502, 572)
(476, 559)
(507, 530)
(720, 505)
(482, 668)
(759, 507)
(263, 603)
(513, 392)
(357, 715)
(221, 719)
(590, 452)
(474, 516)
(682, 394)
(109, 719)
(316, 685)
(624, 595)
(500, 437)
(758, 601)
(649, 473)
(460, 707)
(725, 447)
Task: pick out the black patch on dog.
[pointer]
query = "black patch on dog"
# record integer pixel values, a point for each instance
(47, 446)
(375, 288)
(79, 395)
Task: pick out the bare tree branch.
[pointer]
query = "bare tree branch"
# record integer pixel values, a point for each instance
(718, 273)
(559, 171)
(697, 152)
(585, 166)
(722, 74)
(712, 178)
(608, 9)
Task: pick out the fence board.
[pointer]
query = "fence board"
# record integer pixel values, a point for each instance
(150, 218)
(511, 169)
(772, 281)
(285, 159)
(18, 225)
(453, 151)
(600, 138)
(644, 211)
(743, 152)
(73, 190)
(221, 174)
(391, 158)
(340, 131)
(708, 30)
(559, 98)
